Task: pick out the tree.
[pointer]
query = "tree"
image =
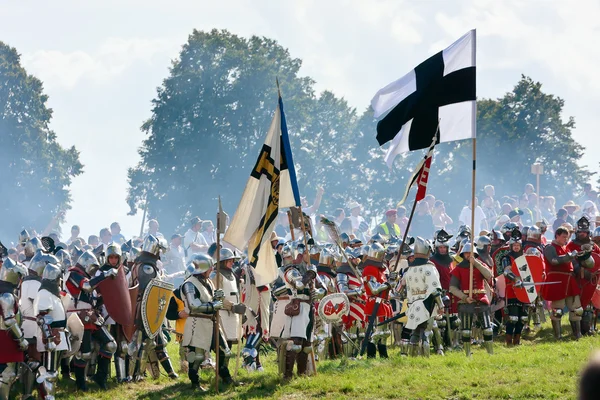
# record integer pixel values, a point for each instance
(36, 170)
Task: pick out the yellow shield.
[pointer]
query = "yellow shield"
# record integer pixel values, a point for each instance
(154, 305)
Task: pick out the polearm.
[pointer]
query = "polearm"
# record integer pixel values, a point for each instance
(307, 253)
(144, 216)
(217, 333)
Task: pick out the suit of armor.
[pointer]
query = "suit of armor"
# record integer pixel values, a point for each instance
(377, 287)
(587, 273)
(516, 310)
(201, 302)
(257, 300)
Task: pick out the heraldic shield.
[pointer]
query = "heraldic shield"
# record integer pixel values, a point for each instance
(155, 303)
(115, 295)
(333, 307)
(530, 269)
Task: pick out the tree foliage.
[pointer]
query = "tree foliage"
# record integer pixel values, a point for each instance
(36, 170)
(211, 115)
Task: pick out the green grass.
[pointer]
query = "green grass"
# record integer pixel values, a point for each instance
(539, 368)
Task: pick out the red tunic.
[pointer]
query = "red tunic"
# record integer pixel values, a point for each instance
(356, 316)
(10, 348)
(479, 294)
(562, 273)
(445, 272)
(385, 309)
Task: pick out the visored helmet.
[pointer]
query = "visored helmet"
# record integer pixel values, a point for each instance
(31, 246)
(326, 257)
(154, 245)
(534, 234)
(52, 272)
(88, 262)
(422, 246)
(483, 243)
(64, 258)
(376, 251)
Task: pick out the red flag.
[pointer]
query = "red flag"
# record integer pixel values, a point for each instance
(423, 178)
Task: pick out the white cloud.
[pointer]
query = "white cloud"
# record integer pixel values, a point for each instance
(115, 55)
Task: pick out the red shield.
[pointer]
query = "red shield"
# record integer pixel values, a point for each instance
(530, 269)
(115, 295)
(590, 290)
(129, 329)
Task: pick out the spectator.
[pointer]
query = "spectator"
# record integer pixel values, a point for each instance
(506, 209)
(75, 231)
(515, 216)
(491, 193)
(529, 189)
(346, 227)
(440, 219)
(571, 208)
(389, 226)
(94, 241)
(422, 224)
(465, 217)
(561, 218)
(402, 218)
(105, 237)
(174, 261)
(533, 206)
(153, 229)
(548, 208)
(490, 211)
(339, 216)
(503, 219)
(312, 210)
(355, 216)
(430, 200)
(590, 211)
(193, 241)
(54, 236)
(208, 231)
(527, 215)
(115, 230)
(586, 195)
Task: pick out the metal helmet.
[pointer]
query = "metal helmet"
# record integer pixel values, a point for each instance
(464, 231)
(227, 254)
(344, 237)
(524, 231)
(52, 272)
(507, 229)
(441, 238)
(534, 234)
(422, 246)
(200, 263)
(376, 251)
(64, 258)
(88, 262)
(377, 238)
(326, 257)
(40, 260)
(12, 271)
(153, 245)
(483, 243)
(533, 251)
(32, 245)
(466, 248)
(515, 237)
(583, 225)
(114, 249)
(24, 237)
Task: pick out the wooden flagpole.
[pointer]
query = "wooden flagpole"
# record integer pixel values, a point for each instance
(216, 333)
(473, 205)
(307, 255)
(410, 218)
(144, 216)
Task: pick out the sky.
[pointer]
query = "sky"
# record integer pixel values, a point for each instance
(101, 62)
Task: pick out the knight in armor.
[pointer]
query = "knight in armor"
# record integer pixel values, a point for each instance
(377, 289)
(28, 293)
(232, 306)
(257, 300)
(281, 298)
(516, 310)
(534, 239)
(202, 302)
(444, 264)
(352, 286)
(81, 285)
(12, 338)
(585, 270)
(484, 246)
(498, 241)
(299, 316)
(114, 258)
(144, 270)
(478, 304)
(559, 268)
(326, 275)
(51, 337)
(424, 294)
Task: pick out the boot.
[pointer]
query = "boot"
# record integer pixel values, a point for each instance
(302, 359)
(382, 349)
(101, 375)
(168, 367)
(404, 348)
(290, 361)
(516, 340)
(195, 379)
(585, 327)
(80, 379)
(467, 345)
(28, 381)
(65, 369)
(509, 340)
(556, 328)
(371, 350)
(414, 349)
(576, 327)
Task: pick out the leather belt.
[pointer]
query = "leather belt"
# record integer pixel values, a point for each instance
(202, 316)
(476, 291)
(30, 319)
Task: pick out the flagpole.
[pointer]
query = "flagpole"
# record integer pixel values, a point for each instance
(307, 253)
(473, 205)
(410, 218)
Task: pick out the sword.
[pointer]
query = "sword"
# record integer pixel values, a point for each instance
(523, 284)
(349, 340)
(370, 326)
(392, 319)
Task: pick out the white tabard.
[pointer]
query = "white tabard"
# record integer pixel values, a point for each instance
(47, 301)
(198, 332)
(421, 282)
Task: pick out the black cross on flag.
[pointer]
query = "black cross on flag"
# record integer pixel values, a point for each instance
(440, 90)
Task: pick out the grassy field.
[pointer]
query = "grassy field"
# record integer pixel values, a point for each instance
(538, 369)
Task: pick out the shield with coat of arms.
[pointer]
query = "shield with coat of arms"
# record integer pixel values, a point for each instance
(333, 307)
(155, 303)
(530, 269)
(115, 295)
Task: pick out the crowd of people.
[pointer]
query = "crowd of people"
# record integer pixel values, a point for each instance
(345, 287)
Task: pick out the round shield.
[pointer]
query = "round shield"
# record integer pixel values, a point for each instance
(333, 307)
(75, 328)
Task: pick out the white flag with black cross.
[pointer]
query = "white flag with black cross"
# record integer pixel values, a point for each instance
(439, 90)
